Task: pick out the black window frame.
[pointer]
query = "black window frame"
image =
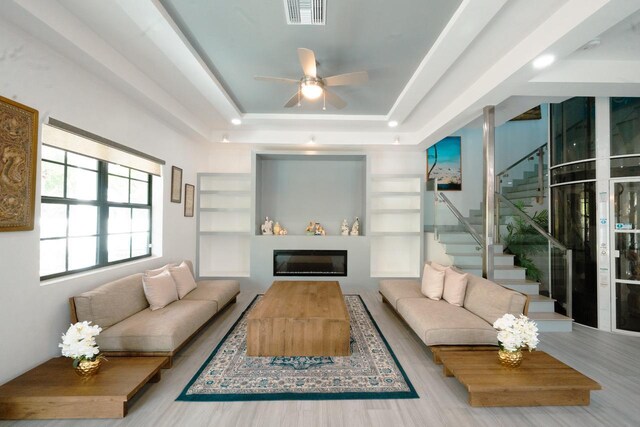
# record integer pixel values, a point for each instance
(103, 204)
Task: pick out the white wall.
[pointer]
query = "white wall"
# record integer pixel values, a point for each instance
(34, 315)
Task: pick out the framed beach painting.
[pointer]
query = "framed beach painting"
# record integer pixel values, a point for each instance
(444, 162)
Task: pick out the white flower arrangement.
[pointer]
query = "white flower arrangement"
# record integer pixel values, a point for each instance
(79, 342)
(515, 333)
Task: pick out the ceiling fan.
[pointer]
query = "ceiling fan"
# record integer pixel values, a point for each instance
(311, 86)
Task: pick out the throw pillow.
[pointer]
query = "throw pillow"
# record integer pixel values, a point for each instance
(185, 282)
(160, 290)
(455, 287)
(157, 271)
(439, 267)
(432, 282)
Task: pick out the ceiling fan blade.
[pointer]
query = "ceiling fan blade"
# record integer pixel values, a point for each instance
(347, 79)
(293, 101)
(307, 61)
(276, 79)
(334, 100)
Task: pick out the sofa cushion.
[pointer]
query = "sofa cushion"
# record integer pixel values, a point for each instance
(159, 270)
(455, 286)
(160, 290)
(217, 291)
(396, 289)
(112, 302)
(183, 278)
(160, 330)
(440, 323)
(491, 301)
(432, 282)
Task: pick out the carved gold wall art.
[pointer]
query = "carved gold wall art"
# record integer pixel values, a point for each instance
(18, 156)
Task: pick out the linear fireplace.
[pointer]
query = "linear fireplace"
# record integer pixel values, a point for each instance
(309, 263)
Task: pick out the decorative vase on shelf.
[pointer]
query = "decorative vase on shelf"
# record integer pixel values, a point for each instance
(277, 229)
(88, 368)
(510, 359)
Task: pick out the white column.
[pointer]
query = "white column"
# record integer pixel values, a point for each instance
(603, 200)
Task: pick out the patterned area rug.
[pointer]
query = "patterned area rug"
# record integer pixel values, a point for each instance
(371, 372)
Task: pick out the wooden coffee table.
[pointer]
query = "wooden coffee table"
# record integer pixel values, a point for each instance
(54, 390)
(299, 318)
(541, 380)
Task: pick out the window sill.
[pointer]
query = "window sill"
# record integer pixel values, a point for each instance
(102, 270)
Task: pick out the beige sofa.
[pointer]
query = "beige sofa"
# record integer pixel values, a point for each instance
(443, 326)
(130, 328)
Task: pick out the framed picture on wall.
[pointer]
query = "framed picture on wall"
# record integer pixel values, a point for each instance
(18, 165)
(444, 162)
(176, 184)
(189, 196)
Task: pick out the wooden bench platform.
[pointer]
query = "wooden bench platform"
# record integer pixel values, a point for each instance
(541, 380)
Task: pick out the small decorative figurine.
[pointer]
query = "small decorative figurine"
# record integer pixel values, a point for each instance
(311, 228)
(355, 228)
(344, 228)
(267, 227)
(277, 228)
(319, 231)
(283, 232)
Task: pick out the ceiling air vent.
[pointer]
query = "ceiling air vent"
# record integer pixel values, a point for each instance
(305, 12)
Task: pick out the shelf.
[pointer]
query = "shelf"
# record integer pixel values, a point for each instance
(394, 193)
(225, 233)
(225, 210)
(222, 274)
(395, 233)
(394, 211)
(227, 192)
(394, 274)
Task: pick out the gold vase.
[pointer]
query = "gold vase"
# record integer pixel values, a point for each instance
(88, 368)
(510, 359)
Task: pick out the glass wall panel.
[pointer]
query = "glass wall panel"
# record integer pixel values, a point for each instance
(574, 172)
(625, 166)
(573, 130)
(625, 126)
(574, 224)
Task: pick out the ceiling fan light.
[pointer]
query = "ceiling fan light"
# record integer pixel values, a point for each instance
(311, 90)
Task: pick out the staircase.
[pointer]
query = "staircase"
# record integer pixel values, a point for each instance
(465, 253)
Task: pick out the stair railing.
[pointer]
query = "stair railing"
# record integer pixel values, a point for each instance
(441, 198)
(536, 156)
(567, 254)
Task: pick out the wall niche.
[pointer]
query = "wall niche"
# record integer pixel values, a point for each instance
(294, 189)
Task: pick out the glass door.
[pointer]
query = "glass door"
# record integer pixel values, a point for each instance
(626, 255)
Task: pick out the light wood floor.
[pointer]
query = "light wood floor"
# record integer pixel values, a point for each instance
(612, 360)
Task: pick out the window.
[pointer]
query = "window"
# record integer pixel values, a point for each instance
(94, 213)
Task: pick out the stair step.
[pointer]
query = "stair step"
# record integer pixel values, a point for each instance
(525, 286)
(522, 194)
(461, 248)
(521, 186)
(469, 259)
(455, 237)
(551, 322)
(541, 304)
(502, 259)
(508, 272)
(471, 269)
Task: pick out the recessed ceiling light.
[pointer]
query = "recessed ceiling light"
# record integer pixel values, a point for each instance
(543, 61)
(236, 122)
(312, 141)
(225, 138)
(393, 123)
(396, 141)
(592, 44)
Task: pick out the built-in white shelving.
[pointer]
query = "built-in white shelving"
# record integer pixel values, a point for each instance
(224, 225)
(395, 225)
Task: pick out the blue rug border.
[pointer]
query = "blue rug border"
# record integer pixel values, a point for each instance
(411, 394)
